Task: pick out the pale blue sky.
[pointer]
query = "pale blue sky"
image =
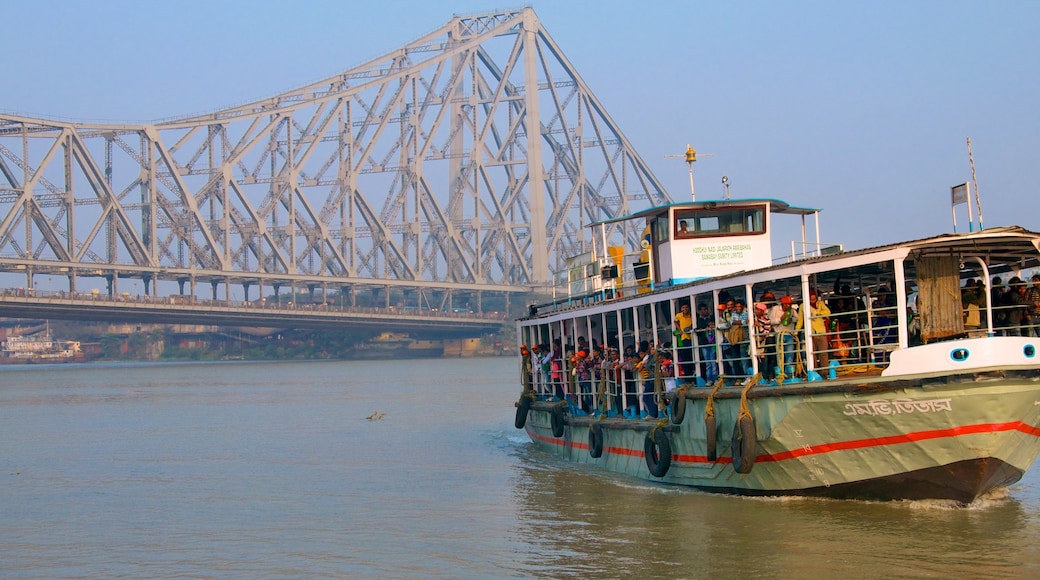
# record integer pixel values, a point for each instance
(861, 108)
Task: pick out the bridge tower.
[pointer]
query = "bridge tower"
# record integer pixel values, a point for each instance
(468, 159)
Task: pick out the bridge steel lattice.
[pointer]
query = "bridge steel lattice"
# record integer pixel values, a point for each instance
(468, 159)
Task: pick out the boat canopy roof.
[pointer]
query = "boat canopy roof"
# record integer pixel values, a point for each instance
(775, 206)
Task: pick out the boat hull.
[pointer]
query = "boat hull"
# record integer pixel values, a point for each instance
(949, 437)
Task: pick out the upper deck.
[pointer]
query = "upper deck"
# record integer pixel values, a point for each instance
(685, 242)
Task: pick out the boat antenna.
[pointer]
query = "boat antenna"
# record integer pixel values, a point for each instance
(725, 183)
(691, 157)
(975, 184)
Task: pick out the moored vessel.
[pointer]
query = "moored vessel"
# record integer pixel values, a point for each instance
(905, 371)
(39, 349)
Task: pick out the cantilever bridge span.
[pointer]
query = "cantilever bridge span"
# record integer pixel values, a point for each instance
(466, 162)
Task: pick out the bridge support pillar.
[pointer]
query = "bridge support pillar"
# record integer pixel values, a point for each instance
(213, 290)
(245, 290)
(110, 285)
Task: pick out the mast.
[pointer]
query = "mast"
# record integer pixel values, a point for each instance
(975, 184)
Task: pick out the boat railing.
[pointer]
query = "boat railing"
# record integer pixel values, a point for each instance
(802, 250)
(615, 387)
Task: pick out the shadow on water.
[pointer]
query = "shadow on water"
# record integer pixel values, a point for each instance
(578, 520)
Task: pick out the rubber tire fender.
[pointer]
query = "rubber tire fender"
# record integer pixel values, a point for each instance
(657, 449)
(595, 440)
(678, 406)
(711, 430)
(522, 407)
(557, 421)
(744, 444)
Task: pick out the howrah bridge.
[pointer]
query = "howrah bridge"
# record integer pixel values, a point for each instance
(462, 165)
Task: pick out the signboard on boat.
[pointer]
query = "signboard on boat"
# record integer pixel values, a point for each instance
(706, 258)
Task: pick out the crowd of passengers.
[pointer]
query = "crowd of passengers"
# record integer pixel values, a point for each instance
(715, 343)
(1015, 307)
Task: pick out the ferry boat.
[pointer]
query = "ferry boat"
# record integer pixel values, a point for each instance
(396, 345)
(39, 349)
(903, 371)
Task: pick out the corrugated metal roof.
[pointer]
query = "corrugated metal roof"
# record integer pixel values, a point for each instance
(775, 206)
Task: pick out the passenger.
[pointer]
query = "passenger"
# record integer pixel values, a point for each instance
(764, 342)
(740, 338)
(615, 379)
(570, 376)
(647, 366)
(705, 333)
(997, 297)
(631, 382)
(546, 365)
(1021, 308)
(787, 323)
(1034, 306)
(583, 372)
(556, 369)
(884, 326)
(970, 303)
(722, 325)
(583, 344)
(913, 326)
(683, 327)
(819, 322)
(845, 321)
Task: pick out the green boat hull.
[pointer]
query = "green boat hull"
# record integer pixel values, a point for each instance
(949, 437)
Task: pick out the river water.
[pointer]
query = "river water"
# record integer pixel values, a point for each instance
(406, 469)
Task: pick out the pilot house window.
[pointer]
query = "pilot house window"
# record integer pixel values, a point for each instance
(715, 222)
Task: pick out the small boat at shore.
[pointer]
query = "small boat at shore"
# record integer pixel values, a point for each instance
(905, 371)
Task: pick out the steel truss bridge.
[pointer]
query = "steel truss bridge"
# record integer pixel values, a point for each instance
(465, 162)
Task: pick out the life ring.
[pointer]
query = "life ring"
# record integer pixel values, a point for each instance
(557, 421)
(744, 445)
(678, 406)
(595, 440)
(658, 452)
(522, 407)
(711, 430)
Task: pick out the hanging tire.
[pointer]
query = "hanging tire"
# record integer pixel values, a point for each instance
(712, 437)
(521, 411)
(678, 406)
(657, 449)
(557, 421)
(744, 445)
(595, 440)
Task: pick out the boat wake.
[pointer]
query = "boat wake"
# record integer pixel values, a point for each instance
(995, 498)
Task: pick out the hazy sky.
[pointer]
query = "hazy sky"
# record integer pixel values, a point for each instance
(861, 108)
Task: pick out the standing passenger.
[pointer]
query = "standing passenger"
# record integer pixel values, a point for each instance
(818, 313)
(740, 337)
(683, 326)
(705, 333)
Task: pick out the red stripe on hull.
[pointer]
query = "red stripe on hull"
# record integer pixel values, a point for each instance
(825, 447)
